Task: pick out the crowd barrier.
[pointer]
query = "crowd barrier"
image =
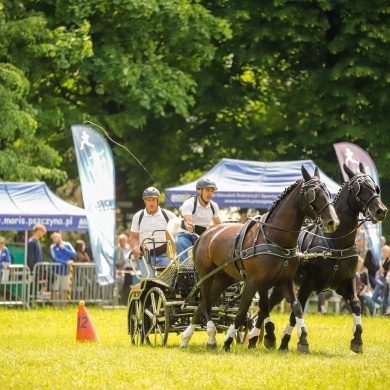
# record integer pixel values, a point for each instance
(83, 285)
(21, 287)
(14, 286)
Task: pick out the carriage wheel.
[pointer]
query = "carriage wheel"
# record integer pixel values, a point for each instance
(155, 318)
(135, 326)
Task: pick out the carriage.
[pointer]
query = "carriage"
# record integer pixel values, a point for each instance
(166, 303)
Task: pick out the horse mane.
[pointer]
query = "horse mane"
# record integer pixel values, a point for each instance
(283, 194)
(340, 190)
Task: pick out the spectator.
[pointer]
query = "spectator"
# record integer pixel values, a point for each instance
(387, 312)
(5, 260)
(379, 295)
(62, 252)
(122, 251)
(35, 255)
(363, 288)
(197, 213)
(323, 297)
(149, 226)
(372, 267)
(122, 263)
(82, 255)
(361, 241)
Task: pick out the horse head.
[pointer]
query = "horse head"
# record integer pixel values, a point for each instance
(316, 201)
(365, 194)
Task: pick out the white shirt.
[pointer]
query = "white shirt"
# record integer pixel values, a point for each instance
(203, 215)
(149, 225)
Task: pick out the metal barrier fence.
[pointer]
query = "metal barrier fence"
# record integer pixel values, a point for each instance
(83, 285)
(15, 284)
(20, 287)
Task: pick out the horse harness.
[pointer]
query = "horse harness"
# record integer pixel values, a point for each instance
(324, 252)
(255, 250)
(265, 248)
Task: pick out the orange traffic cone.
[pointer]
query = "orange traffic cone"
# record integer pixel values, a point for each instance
(85, 328)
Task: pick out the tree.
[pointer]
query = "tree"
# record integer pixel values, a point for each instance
(23, 156)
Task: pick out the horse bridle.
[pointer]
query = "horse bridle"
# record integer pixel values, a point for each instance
(308, 191)
(354, 187)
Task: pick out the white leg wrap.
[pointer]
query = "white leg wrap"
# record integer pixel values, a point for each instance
(254, 332)
(289, 329)
(211, 331)
(300, 325)
(357, 320)
(230, 333)
(186, 336)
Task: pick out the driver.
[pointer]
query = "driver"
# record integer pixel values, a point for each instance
(197, 213)
(150, 222)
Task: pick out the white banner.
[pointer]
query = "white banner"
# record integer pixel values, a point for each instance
(97, 178)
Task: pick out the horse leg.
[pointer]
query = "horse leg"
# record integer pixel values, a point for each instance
(266, 304)
(348, 292)
(211, 290)
(262, 314)
(248, 293)
(204, 308)
(296, 317)
(220, 284)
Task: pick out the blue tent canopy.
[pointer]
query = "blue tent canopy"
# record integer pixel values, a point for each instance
(249, 184)
(22, 205)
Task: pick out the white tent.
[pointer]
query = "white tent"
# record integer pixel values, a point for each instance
(249, 184)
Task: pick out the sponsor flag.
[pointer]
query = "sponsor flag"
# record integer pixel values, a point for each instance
(97, 178)
(351, 155)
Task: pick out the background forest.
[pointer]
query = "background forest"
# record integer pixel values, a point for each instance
(184, 83)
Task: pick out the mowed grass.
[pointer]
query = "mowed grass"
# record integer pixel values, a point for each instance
(38, 350)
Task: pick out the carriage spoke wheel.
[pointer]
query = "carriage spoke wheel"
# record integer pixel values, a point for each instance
(155, 318)
(135, 326)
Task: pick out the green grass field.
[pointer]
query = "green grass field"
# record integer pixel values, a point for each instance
(38, 350)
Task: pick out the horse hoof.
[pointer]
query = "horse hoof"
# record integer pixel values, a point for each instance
(303, 348)
(269, 344)
(252, 344)
(211, 346)
(226, 348)
(356, 347)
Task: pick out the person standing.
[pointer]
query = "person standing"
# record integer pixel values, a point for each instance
(151, 223)
(122, 264)
(35, 255)
(82, 255)
(197, 214)
(379, 295)
(5, 259)
(62, 253)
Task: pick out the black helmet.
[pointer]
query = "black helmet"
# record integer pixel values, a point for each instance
(151, 192)
(205, 183)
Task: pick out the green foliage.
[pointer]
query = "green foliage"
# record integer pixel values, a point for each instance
(184, 83)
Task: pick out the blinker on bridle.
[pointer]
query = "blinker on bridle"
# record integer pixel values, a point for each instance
(308, 191)
(354, 185)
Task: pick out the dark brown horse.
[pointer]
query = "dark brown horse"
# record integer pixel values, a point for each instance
(329, 260)
(263, 253)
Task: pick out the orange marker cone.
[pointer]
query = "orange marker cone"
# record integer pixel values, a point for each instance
(85, 328)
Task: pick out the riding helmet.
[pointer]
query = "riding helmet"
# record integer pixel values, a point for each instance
(151, 192)
(205, 183)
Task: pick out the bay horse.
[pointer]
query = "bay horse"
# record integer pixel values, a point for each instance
(262, 253)
(329, 260)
